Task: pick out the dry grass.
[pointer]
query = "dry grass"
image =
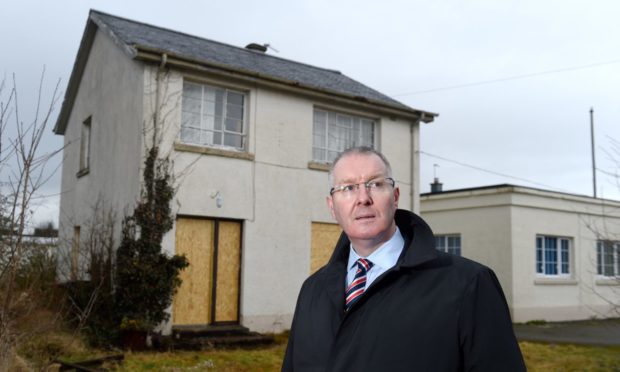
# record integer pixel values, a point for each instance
(538, 356)
(555, 357)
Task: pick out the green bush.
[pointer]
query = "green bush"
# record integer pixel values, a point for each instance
(146, 278)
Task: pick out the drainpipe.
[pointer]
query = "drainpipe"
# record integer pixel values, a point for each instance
(415, 166)
(162, 65)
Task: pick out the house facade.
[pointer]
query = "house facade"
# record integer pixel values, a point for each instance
(556, 255)
(249, 137)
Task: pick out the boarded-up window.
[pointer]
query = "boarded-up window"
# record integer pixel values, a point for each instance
(324, 239)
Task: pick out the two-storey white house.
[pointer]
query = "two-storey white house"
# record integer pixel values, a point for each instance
(249, 136)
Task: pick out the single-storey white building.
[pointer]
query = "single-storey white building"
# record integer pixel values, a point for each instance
(556, 255)
(250, 137)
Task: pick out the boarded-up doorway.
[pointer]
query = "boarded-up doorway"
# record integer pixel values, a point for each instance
(324, 239)
(210, 290)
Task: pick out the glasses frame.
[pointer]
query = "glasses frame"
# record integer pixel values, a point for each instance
(366, 184)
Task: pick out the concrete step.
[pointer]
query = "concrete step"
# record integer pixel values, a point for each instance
(205, 337)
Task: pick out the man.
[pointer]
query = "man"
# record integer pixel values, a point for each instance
(388, 300)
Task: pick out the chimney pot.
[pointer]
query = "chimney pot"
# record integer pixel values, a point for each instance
(256, 47)
(436, 186)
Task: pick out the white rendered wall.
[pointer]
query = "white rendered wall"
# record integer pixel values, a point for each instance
(483, 223)
(276, 195)
(511, 218)
(583, 294)
(111, 92)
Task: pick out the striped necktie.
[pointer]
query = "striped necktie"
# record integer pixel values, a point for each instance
(357, 286)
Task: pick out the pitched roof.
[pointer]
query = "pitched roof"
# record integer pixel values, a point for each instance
(139, 38)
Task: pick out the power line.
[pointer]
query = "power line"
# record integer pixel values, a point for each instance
(516, 77)
(492, 172)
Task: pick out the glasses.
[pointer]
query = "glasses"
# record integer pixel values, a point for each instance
(376, 186)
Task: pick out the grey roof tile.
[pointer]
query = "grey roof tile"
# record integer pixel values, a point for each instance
(135, 35)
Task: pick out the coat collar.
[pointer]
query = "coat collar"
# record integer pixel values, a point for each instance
(419, 249)
(419, 242)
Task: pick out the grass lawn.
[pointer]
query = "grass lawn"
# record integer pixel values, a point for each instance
(538, 357)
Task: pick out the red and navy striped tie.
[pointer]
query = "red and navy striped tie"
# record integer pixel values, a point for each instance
(357, 286)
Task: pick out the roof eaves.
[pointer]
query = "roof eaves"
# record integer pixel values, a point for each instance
(154, 55)
(76, 75)
(92, 25)
(103, 26)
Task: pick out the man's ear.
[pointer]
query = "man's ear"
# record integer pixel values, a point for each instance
(396, 195)
(330, 205)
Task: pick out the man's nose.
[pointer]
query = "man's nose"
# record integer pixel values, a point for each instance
(363, 195)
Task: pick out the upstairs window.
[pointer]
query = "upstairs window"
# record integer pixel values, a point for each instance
(213, 116)
(608, 258)
(333, 132)
(553, 255)
(85, 145)
(449, 243)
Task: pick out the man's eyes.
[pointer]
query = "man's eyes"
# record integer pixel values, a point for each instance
(370, 184)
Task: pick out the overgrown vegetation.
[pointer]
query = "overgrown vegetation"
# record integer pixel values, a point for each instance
(146, 278)
(133, 291)
(26, 263)
(538, 357)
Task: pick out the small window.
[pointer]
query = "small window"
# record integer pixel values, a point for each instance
(213, 116)
(333, 132)
(75, 253)
(449, 243)
(608, 258)
(85, 145)
(553, 255)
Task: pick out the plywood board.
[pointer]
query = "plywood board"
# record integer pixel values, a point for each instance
(228, 266)
(324, 239)
(192, 303)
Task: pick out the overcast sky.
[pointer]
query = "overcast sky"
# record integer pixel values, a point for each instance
(512, 81)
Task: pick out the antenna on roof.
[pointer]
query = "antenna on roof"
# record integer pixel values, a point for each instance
(268, 46)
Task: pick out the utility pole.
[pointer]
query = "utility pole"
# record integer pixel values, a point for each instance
(593, 155)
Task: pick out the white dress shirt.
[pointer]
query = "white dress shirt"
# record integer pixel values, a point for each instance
(383, 258)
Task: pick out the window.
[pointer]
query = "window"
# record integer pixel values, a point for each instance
(213, 116)
(448, 243)
(608, 258)
(553, 255)
(333, 133)
(85, 145)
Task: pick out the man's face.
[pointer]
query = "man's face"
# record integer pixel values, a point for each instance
(366, 216)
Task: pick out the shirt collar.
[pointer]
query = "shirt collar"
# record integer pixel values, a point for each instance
(385, 256)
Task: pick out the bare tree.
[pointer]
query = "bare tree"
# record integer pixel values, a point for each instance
(24, 170)
(605, 258)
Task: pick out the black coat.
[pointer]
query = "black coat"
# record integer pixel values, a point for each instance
(432, 311)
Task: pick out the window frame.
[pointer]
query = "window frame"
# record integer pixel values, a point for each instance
(445, 247)
(85, 147)
(332, 124)
(615, 257)
(202, 128)
(543, 263)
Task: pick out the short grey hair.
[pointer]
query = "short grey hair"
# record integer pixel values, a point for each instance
(359, 150)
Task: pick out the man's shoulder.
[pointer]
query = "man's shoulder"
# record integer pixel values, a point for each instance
(319, 276)
(462, 266)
